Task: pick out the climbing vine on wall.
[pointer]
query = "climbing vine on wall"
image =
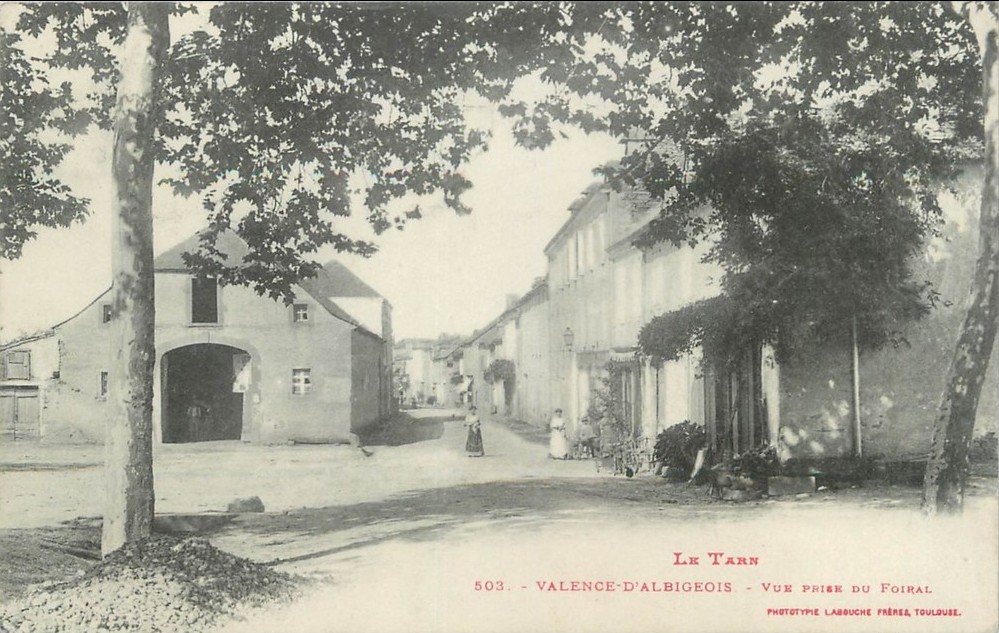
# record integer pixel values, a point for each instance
(500, 370)
(711, 324)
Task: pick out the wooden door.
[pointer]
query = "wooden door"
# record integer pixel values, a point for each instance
(8, 414)
(28, 415)
(20, 414)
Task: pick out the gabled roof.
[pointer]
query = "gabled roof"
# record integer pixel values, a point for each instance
(495, 335)
(338, 281)
(27, 338)
(82, 310)
(332, 280)
(228, 242)
(416, 343)
(328, 303)
(593, 189)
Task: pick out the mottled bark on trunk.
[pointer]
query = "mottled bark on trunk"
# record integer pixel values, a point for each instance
(128, 511)
(947, 470)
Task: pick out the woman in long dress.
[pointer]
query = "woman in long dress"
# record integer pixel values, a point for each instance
(558, 445)
(473, 443)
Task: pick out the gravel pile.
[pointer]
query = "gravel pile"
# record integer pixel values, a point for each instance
(157, 585)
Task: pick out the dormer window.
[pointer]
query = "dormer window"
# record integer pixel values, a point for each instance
(301, 312)
(204, 301)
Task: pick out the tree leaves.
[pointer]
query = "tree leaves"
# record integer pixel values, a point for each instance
(270, 111)
(30, 196)
(816, 132)
(805, 140)
(285, 95)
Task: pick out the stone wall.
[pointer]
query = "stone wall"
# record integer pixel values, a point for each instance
(900, 387)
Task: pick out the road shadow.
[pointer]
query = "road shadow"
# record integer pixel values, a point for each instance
(33, 555)
(431, 514)
(402, 429)
(524, 430)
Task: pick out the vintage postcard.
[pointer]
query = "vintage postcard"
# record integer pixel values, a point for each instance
(499, 317)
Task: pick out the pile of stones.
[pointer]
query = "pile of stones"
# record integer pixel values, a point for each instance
(157, 585)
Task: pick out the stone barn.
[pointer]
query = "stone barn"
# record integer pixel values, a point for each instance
(230, 364)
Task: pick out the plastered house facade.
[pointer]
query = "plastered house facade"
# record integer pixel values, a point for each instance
(230, 364)
(825, 403)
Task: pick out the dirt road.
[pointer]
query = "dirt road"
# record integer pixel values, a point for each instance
(419, 537)
(42, 486)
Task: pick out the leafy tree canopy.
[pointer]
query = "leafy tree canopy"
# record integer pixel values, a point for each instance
(29, 195)
(805, 141)
(271, 113)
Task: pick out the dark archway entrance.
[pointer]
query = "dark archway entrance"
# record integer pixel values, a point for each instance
(202, 387)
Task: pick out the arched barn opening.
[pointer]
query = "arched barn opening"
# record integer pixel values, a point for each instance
(202, 387)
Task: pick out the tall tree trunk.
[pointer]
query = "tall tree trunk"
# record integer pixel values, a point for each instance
(947, 470)
(128, 512)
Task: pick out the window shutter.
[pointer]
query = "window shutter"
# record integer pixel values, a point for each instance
(17, 365)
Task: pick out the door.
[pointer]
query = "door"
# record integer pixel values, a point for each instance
(203, 386)
(19, 413)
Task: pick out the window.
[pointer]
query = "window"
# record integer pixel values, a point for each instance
(301, 312)
(599, 250)
(102, 387)
(17, 365)
(204, 301)
(572, 254)
(301, 381)
(575, 255)
(106, 313)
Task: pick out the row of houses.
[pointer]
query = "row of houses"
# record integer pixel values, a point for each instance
(422, 372)
(230, 364)
(571, 340)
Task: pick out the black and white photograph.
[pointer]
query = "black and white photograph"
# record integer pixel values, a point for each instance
(499, 317)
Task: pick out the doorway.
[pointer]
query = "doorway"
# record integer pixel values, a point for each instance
(202, 387)
(19, 413)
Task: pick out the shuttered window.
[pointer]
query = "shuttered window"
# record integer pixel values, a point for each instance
(17, 365)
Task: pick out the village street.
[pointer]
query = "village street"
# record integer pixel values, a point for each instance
(419, 537)
(43, 485)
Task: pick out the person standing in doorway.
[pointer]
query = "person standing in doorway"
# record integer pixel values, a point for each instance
(473, 443)
(198, 426)
(558, 445)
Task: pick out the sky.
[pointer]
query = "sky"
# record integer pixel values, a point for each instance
(442, 274)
